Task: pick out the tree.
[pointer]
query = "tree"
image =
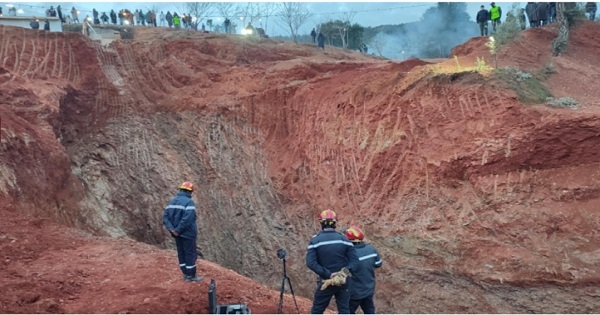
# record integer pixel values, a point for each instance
(249, 11)
(356, 37)
(226, 9)
(559, 45)
(293, 15)
(200, 10)
(267, 9)
(378, 42)
(343, 29)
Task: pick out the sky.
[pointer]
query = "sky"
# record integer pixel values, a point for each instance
(366, 13)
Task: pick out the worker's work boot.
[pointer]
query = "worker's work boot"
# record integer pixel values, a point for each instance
(193, 279)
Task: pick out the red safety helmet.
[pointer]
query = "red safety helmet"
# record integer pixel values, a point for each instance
(354, 234)
(187, 186)
(328, 215)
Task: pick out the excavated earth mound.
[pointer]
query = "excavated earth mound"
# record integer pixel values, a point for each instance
(477, 202)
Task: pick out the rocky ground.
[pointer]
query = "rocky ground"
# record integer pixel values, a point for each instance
(478, 202)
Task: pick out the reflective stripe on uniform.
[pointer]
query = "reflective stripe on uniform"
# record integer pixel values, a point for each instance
(367, 257)
(378, 262)
(181, 207)
(181, 265)
(190, 267)
(329, 243)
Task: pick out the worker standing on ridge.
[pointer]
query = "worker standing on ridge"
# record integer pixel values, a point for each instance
(590, 9)
(313, 34)
(362, 283)
(328, 252)
(180, 220)
(495, 15)
(483, 16)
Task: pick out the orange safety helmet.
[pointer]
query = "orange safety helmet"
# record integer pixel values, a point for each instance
(354, 234)
(328, 215)
(187, 186)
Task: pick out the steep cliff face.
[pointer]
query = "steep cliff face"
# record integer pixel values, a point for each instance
(477, 202)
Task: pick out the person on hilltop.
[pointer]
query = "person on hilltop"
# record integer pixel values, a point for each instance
(227, 24)
(75, 15)
(321, 41)
(483, 16)
(113, 17)
(532, 14)
(330, 254)
(34, 23)
(495, 16)
(542, 10)
(104, 18)
(60, 15)
(313, 34)
(590, 9)
(162, 18)
(169, 18)
(551, 12)
(176, 20)
(362, 282)
(46, 25)
(179, 219)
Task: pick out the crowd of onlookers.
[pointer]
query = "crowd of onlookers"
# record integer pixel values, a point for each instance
(538, 14)
(126, 17)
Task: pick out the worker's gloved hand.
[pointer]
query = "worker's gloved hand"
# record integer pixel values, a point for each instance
(337, 278)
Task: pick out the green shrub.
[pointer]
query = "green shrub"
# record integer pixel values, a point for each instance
(528, 88)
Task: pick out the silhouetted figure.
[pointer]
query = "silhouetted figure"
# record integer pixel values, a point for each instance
(590, 9)
(313, 34)
(483, 16)
(321, 41)
(95, 15)
(52, 12)
(142, 18)
(104, 18)
(46, 25)
(113, 17)
(551, 12)
(365, 48)
(169, 18)
(532, 16)
(542, 9)
(60, 15)
(227, 24)
(34, 24)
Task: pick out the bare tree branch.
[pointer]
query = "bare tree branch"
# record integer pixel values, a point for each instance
(200, 10)
(293, 15)
(226, 9)
(378, 42)
(266, 10)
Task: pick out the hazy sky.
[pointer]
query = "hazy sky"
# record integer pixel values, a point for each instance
(367, 14)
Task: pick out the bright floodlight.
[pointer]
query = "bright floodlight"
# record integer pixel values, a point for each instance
(20, 11)
(126, 22)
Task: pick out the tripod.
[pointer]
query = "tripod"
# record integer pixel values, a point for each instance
(283, 280)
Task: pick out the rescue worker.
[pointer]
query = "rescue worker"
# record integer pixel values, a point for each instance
(313, 34)
(362, 282)
(328, 252)
(495, 16)
(483, 16)
(590, 9)
(176, 20)
(46, 25)
(180, 220)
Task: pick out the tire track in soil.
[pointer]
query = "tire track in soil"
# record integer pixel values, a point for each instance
(134, 73)
(110, 100)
